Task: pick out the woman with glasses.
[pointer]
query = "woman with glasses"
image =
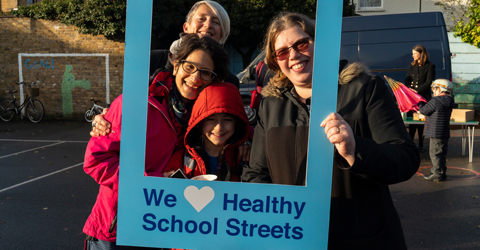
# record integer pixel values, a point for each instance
(198, 62)
(372, 147)
(205, 18)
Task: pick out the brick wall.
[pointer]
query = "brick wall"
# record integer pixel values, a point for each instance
(8, 5)
(62, 62)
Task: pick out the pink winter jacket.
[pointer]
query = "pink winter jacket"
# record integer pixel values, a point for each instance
(102, 156)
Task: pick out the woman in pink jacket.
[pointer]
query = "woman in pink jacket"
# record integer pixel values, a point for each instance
(198, 62)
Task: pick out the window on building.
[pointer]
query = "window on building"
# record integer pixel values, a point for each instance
(370, 5)
(32, 1)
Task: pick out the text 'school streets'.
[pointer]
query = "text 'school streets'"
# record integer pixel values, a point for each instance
(235, 227)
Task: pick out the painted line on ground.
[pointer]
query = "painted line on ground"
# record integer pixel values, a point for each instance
(20, 140)
(41, 177)
(31, 150)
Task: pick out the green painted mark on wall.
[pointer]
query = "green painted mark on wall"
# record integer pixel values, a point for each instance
(68, 84)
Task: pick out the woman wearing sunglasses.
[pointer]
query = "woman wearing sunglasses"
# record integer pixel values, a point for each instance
(197, 63)
(372, 146)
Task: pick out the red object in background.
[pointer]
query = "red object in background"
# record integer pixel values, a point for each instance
(407, 99)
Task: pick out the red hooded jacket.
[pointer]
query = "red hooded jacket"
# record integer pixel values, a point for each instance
(103, 154)
(216, 98)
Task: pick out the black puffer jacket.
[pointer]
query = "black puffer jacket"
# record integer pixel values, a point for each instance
(362, 214)
(438, 111)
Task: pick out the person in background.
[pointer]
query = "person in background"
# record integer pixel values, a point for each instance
(420, 75)
(437, 127)
(372, 147)
(218, 125)
(198, 62)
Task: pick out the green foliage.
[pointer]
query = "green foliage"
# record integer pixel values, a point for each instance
(470, 31)
(167, 21)
(348, 8)
(249, 18)
(96, 17)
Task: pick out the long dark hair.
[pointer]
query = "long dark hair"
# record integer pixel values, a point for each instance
(423, 54)
(220, 57)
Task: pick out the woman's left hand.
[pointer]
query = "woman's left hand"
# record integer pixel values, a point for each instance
(341, 135)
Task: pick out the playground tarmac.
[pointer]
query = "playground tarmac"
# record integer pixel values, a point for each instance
(443, 215)
(45, 197)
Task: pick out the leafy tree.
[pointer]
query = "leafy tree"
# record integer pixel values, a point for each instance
(249, 18)
(167, 21)
(96, 17)
(470, 31)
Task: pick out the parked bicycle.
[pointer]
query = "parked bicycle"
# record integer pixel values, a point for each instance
(34, 108)
(92, 112)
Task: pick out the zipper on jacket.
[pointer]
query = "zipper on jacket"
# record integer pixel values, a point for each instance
(166, 117)
(113, 225)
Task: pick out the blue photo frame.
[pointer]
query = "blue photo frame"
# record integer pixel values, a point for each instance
(191, 214)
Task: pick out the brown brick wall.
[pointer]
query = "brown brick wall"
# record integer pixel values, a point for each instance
(8, 5)
(66, 82)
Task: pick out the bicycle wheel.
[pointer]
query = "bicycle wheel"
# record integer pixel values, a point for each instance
(7, 109)
(89, 115)
(35, 111)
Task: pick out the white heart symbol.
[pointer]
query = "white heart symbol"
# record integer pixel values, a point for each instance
(199, 198)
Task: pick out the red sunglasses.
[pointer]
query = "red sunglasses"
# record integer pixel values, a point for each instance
(299, 46)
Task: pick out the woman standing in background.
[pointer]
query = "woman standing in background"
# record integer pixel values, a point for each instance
(420, 76)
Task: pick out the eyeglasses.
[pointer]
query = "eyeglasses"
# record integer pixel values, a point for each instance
(299, 46)
(205, 74)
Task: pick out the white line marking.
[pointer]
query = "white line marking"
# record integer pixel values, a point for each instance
(20, 140)
(30, 150)
(41, 177)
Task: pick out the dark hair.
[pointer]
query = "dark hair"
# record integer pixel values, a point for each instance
(220, 57)
(423, 54)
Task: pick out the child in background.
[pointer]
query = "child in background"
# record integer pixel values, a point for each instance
(218, 125)
(437, 127)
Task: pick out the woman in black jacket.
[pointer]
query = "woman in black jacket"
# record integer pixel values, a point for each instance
(420, 76)
(372, 146)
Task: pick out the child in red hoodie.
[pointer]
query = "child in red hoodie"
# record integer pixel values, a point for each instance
(217, 126)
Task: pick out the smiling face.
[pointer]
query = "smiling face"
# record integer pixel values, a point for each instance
(298, 66)
(217, 129)
(190, 85)
(204, 22)
(416, 55)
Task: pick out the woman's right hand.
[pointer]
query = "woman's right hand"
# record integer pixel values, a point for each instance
(100, 126)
